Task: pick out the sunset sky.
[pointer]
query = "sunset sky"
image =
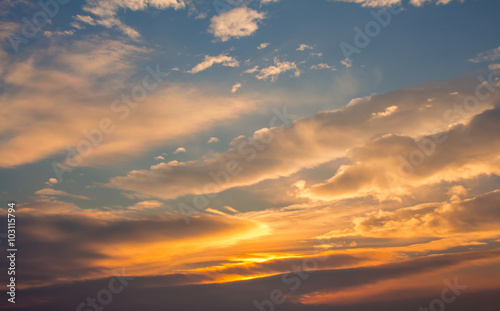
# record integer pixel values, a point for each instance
(251, 154)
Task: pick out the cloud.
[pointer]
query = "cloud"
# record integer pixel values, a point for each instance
(145, 205)
(431, 219)
(159, 158)
(303, 47)
(195, 292)
(236, 87)
(142, 244)
(263, 46)
(387, 3)
(39, 88)
(278, 68)
(346, 62)
(327, 136)
(213, 140)
(229, 208)
(236, 23)
(106, 12)
(53, 181)
(323, 66)
(209, 61)
(488, 56)
(252, 70)
(397, 164)
(494, 67)
(53, 192)
(180, 150)
(387, 112)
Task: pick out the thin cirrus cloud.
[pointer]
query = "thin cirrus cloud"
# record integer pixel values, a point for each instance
(316, 140)
(106, 13)
(209, 61)
(235, 23)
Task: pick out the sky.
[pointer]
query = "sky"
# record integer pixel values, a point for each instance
(251, 154)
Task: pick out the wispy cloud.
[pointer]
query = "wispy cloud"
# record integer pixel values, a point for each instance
(209, 61)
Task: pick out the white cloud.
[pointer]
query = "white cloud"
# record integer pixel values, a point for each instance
(252, 70)
(213, 140)
(159, 158)
(180, 150)
(387, 112)
(236, 23)
(53, 181)
(303, 47)
(236, 87)
(263, 46)
(346, 62)
(278, 68)
(106, 12)
(488, 56)
(323, 66)
(209, 61)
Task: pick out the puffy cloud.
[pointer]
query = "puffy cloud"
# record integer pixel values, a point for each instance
(180, 150)
(323, 66)
(387, 112)
(236, 23)
(276, 152)
(278, 68)
(396, 164)
(263, 46)
(346, 62)
(213, 140)
(209, 61)
(159, 158)
(303, 47)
